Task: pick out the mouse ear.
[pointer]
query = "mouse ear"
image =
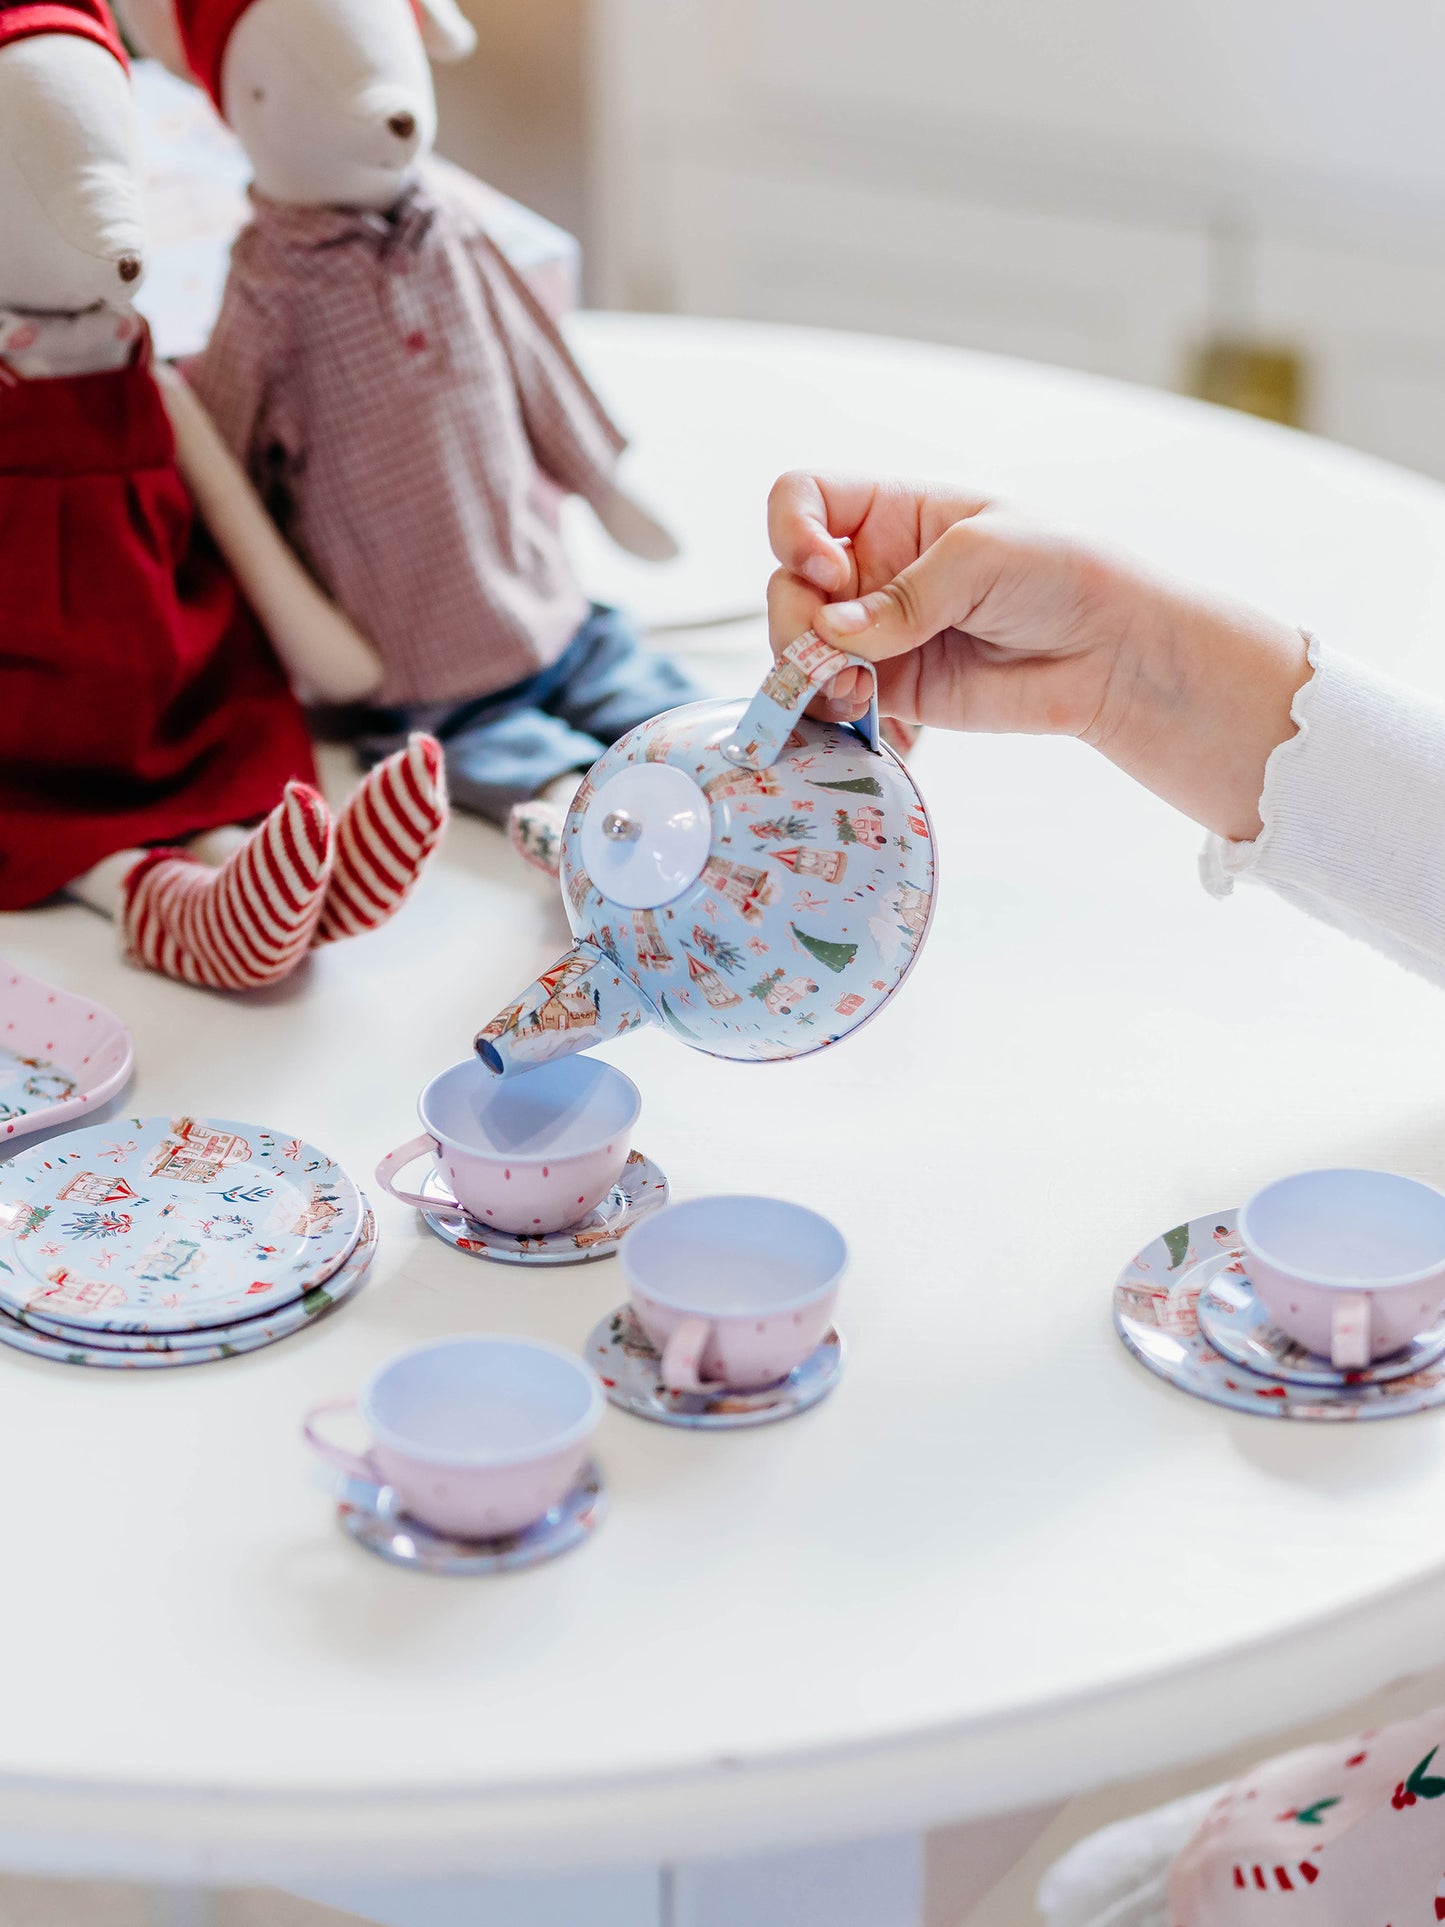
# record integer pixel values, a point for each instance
(446, 33)
(150, 26)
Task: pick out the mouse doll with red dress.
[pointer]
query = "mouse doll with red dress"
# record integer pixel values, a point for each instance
(154, 760)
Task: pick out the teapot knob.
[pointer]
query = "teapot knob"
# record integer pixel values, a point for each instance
(619, 827)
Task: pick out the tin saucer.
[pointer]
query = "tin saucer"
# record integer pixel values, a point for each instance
(642, 1188)
(1237, 1325)
(373, 1518)
(109, 1352)
(624, 1359)
(168, 1224)
(1157, 1302)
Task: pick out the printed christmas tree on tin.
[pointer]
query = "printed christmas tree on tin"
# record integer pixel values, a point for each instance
(833, 956)
(718, 950)
(855, 785)
(796, 829)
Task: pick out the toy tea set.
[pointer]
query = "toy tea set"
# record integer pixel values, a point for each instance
(720, 864)
(1321, 1297)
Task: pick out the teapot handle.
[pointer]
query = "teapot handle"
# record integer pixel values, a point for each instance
(805, 667)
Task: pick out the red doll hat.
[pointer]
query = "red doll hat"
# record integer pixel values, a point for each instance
(91, 19)
(206, 27)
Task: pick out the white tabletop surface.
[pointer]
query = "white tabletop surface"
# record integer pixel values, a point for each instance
(1002, 1562)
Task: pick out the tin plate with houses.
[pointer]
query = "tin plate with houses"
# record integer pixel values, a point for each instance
(61, 1056)
(641, 1189)
(114, 1351)
(1156, 1313)
(167, 1224)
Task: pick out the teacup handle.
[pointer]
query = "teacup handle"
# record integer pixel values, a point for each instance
(682, 1357)
(1350, 1333)
(359, 1466)
(398, 1160)
(804, 667)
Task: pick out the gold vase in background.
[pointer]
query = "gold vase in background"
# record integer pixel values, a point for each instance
(1258, 377)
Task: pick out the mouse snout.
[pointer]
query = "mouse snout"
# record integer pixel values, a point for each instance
(403, 125)
(130, 267)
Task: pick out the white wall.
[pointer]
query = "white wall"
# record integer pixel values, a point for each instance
(1099, 182)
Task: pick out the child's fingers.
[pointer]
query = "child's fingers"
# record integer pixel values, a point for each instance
(941, 590)
(792, 605)
(810, 521)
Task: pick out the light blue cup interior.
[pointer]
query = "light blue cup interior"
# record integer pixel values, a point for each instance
(734, 1255)
(1347, 1227)
(562, 1109)
(481, 1400)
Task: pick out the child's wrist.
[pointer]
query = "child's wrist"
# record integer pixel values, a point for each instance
(1201, 696)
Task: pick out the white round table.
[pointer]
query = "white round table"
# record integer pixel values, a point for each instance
(1002, 1562)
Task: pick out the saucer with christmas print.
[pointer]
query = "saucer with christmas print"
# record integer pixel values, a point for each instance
(372, 1516)
(116, 1351)
(623, 1357)
(150, 1225)
(1237, 1325)
(1184, 1307)
(641, 1189)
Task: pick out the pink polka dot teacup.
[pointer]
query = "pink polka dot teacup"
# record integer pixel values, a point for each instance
(479, 1436)
(528, 1154)
(1348, 1263)
(734, 1292)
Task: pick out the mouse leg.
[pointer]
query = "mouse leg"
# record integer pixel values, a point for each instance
(385, 836)
(245, 923)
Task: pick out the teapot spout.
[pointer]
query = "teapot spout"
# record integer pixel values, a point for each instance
(584, 999)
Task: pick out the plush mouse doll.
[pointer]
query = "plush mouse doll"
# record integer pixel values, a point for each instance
(401, 400)
(144, 718)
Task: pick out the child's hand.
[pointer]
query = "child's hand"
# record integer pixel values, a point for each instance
(979, 621)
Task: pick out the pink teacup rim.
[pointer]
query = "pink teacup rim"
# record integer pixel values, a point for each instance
(502, 1091)
(1354, 1283)
(634, 1251)
(379, 1433)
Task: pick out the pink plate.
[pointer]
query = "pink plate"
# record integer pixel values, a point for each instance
(61, 1056)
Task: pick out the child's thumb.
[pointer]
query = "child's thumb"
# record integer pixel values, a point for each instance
(918, 603)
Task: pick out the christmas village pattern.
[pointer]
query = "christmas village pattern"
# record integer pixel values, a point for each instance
(808, 913)
(166, 1224)
(116, 1351)
(1156, 1313)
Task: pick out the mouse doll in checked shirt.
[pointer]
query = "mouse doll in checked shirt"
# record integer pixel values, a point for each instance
(407, 407)
(144, 721)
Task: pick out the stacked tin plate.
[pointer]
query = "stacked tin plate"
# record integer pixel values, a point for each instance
(174, 1241)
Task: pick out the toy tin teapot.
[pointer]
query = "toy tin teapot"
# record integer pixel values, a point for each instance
(758, 882)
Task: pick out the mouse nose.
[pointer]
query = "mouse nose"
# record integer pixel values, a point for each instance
(402, 125)
(128, 267)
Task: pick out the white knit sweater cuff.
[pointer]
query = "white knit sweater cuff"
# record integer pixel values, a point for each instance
(1353, 811)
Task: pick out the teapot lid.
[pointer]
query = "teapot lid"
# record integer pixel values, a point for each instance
(646, 835)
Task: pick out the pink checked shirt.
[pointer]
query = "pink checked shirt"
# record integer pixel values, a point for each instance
(399, 395)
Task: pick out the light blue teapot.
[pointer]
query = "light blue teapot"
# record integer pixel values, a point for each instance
(758, 882)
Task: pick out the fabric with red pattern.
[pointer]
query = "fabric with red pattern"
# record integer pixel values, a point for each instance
(89, 19)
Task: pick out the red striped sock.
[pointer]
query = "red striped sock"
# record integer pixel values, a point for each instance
(247, 923)
(384, 837)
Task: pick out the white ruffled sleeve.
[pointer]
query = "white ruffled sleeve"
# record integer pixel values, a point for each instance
(1354, 814)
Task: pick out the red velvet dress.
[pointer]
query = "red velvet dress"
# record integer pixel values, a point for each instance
(139, 701)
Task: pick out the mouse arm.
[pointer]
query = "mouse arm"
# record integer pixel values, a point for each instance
(633, 526)
(321, 652)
